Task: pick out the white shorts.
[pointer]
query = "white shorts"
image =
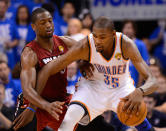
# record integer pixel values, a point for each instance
(95, 98)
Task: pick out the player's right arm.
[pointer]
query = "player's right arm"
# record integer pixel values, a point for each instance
(76, 52)
(28, 82)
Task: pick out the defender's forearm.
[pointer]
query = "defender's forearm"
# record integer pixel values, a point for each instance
(34, 98)
(29, 92)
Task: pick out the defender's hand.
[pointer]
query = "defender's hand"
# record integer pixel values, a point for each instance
(55, 108)
(23, 119)
(133, 102)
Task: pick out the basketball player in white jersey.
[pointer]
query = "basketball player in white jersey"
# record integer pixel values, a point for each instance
(109, 52)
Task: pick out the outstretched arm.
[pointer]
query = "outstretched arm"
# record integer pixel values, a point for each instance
(134, 99)
(76, 52)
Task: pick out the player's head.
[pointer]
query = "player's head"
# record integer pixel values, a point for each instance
(150, 101)
(42, 23)
(103, 33)
(129, 28)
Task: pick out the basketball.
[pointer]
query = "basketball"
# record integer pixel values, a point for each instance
(133, 120)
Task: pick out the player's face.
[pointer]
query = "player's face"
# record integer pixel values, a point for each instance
(102, 37)
(44, 26)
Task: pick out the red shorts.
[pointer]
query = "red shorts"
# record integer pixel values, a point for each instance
(45, 119)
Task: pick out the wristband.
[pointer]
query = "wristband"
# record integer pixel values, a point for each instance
(31, 109)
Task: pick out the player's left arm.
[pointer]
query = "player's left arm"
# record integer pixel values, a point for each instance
(131, 52)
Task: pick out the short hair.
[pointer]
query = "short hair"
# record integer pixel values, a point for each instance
(36, 12)
(134, 25)
(104, 22)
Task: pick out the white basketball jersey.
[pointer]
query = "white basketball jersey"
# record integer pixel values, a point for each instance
(112, 73)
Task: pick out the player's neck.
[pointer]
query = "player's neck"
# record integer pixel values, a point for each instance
(45, 43)
(108, 51)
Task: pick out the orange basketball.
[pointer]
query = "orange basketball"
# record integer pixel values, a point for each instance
(133, 120)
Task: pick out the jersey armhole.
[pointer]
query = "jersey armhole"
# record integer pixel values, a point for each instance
(121, 38)
(89, 49)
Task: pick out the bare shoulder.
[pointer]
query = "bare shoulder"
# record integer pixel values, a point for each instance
(127, 42)
(128, 46)
(28, 57)
(71, 42)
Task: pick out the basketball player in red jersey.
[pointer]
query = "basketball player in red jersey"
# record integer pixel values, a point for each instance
(45, 48)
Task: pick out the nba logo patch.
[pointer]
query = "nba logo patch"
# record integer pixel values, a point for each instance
(118, 56)
(61, 48)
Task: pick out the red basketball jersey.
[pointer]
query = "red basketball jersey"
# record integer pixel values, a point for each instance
(55, 88)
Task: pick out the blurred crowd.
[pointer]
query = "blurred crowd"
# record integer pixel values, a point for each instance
(73, 19)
